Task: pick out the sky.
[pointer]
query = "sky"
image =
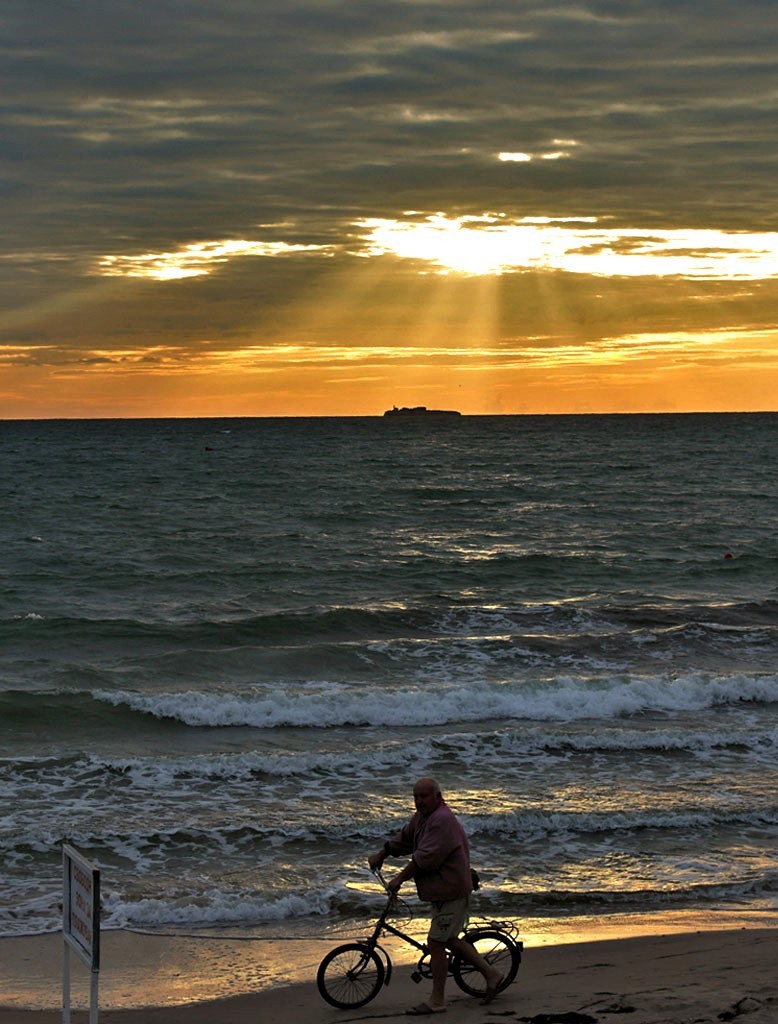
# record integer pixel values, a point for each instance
(314, 207)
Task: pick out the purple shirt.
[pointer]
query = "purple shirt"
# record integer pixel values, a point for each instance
(440, 851)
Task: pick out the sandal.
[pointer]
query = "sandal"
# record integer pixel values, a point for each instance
(491, 993)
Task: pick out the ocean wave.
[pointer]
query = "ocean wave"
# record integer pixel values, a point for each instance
(243, 906)
(465, 748)
(533, 825)
(441, 640)
(562, 699)
(585, 618)
(247, 907)
(216, 907)
(363, 759)
(193, 908)
(648, 898)
(187, 626)
(146, 848)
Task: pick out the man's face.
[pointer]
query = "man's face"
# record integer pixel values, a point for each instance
(426, 799)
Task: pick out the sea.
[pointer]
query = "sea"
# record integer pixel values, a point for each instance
(228, 648)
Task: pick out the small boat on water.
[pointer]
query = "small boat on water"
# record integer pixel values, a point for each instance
(420, 410)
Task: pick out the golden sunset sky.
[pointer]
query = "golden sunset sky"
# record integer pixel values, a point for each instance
(310, 207)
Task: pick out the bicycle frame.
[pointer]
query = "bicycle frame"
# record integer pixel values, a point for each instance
(384, 927)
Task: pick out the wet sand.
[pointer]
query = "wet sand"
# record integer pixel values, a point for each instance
(701, 977)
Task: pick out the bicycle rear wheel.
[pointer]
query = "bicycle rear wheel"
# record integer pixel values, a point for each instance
(498, 949)
(350, 975)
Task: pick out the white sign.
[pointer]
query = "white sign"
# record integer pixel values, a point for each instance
(81, 906)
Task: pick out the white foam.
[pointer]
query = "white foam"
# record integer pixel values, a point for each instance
(564, 699)
(535, 825)
(218, 907)
(159, 773)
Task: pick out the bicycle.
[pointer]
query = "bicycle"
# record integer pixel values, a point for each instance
(352, 974)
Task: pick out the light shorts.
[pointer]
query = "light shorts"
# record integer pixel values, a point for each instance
(449, 918)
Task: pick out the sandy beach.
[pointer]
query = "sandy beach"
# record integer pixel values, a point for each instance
(697, 977)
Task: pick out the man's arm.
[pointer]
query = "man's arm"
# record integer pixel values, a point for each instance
(375, 861)
(398, 845)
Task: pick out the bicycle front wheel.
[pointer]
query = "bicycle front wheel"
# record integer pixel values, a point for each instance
(350, 975)
(498, 949)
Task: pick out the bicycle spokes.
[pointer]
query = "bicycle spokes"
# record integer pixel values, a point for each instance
(350, 975)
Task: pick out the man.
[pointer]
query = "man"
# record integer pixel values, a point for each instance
(440, 867)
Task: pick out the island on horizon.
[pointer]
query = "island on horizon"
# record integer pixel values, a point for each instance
(420, 410)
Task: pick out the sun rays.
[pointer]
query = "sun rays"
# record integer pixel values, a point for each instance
(485, 313)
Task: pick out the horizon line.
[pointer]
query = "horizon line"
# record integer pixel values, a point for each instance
(381, 416)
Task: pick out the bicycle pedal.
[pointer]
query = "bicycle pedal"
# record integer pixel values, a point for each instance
(416, 977)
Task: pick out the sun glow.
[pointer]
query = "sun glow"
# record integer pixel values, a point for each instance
(509, 157)
(196, 260)
(491, 244)
(514, 158)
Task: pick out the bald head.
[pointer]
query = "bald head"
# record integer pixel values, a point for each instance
(427, 796)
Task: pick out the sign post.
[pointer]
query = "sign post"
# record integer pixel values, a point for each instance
(80, 923)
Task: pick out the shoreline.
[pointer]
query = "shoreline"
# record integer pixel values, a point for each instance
(685, 978)
(158, 977)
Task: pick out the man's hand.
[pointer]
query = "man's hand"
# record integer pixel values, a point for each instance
(393, 885)
(375, 860)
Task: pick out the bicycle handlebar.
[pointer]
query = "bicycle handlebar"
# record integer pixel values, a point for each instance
(378, 873)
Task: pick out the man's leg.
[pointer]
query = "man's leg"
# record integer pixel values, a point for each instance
(472, 956)
(439, 969)
(448, 918)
